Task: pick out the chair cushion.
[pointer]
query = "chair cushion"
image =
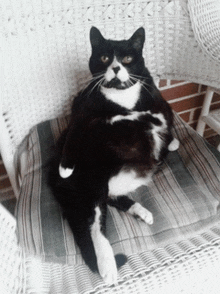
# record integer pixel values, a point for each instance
(183, 196)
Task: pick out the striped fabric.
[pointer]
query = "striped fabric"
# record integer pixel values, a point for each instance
(183, 196)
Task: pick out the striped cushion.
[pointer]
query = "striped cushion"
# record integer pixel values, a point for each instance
(183, 196)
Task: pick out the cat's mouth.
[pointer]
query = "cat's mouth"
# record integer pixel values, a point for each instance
(116, 83)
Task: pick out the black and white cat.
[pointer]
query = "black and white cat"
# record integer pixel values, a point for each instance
(120, 131)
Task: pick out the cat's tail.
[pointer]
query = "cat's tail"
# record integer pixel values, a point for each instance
(95, 248)
(90, 259)
(86, 245)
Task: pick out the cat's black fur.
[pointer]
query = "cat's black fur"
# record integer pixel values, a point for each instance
(96, 150)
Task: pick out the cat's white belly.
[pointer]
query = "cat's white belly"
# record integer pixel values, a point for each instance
(126, 181)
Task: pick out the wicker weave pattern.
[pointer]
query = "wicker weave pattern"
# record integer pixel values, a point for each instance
(12, 273)
(46, 51)
(192, 274)
(205, 17)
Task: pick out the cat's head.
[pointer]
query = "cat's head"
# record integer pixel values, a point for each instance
(117, 64)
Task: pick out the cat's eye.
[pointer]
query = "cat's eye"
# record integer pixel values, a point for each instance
(127, 59)
(104, 58)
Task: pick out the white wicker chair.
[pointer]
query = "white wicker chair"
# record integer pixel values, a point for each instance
(211, 118)
(45, 52)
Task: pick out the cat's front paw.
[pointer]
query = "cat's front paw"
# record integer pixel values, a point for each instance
(174, 145)
(107, 265)
(139, 211)
(65, 172)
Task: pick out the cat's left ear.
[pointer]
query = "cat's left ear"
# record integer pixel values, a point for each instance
(138, 39)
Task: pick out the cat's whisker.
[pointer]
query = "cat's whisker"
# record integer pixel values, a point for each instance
(148, 85)
(147, 89)
(98, 84)
(144, 85)
(95, 77)
(141, 77)
(91, 80)
(101, 74)
(130, 83)
(137, 78)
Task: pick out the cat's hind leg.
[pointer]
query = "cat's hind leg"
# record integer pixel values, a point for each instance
(142, 213)
(134, 208)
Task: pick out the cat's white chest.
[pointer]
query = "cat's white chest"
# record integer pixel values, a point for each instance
(125, 98)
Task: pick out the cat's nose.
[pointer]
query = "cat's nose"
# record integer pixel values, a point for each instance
(116, 69)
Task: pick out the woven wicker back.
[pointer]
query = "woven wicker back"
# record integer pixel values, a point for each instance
(205, 16)
(46, 50)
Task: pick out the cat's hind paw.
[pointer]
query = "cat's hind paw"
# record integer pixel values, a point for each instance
(65, 172)
(142, 213)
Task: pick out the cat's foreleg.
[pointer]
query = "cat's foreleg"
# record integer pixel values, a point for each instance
(67, 163)
(69, 154)
(134, 208)
(65, 172)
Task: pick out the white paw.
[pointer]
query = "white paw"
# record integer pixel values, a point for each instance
(174, 145)
(65, 172)
(107, 265)
(138, 210)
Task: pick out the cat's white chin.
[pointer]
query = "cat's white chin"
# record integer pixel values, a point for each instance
(116, 84)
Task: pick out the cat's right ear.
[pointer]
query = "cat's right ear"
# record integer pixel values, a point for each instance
(96, 37)
(138, 39)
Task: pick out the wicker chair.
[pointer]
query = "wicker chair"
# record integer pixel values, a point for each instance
(211, 118)
(45, 60)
